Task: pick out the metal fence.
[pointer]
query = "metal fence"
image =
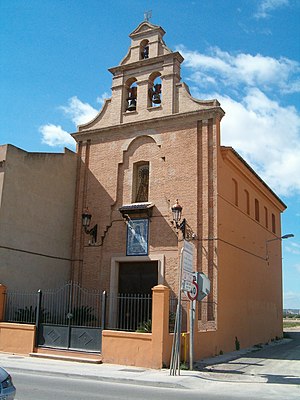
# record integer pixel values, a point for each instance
(20, 307)
(57, 306)
(71, 303)
(130, 312)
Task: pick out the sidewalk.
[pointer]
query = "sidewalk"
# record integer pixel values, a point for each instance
(123, 374)
(250, 366)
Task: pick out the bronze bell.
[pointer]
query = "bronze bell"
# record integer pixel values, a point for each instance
(131, 104)
(156, 98)
(145, 52)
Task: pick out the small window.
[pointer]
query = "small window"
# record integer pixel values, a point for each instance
(273, 224)
(266, 218)
(257, 210)
(141, 182)
(247, 198)
(235, 192)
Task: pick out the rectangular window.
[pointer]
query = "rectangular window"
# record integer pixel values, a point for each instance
(257, 210)
(247, 202)
(266, 218)
(273, 224)
(235, 192)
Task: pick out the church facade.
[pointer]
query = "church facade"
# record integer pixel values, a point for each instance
(151, 144)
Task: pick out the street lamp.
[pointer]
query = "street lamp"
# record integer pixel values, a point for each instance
(86, 220)
(286, 236)
(176, 213)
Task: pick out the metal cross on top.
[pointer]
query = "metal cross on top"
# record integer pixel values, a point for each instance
(147, 15)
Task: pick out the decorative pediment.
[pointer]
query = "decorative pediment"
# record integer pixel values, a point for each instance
(146, 27)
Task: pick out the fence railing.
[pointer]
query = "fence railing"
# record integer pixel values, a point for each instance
(75, 305)
(20, 307)
(68, 304)
(72, 304)
(130, 312)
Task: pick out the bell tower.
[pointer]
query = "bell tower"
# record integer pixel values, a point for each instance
(146, 85)
(145, 81)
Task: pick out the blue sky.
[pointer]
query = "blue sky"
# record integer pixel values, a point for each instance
(55, 54)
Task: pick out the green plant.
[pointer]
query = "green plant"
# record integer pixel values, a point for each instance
(291, 324)
(221, 352)
(27, 315)
(237, 344)
(82, 315)
(145, 327)
(184, 366)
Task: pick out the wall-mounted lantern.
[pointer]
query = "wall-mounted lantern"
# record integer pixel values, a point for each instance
(176, 214)
(86, 221)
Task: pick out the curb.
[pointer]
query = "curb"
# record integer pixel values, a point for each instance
(127, 381)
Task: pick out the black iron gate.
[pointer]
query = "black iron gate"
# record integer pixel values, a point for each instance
(71, 318)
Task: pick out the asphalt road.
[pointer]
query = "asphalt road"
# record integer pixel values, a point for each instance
(40, 386)
(43, 387)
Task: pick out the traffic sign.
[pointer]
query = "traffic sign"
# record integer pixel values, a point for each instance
(193, 293)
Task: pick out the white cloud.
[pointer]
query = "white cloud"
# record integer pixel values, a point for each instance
(293, 248)
(102, 98)
(54, 135)
(79, 112)
(267, 135)
(291, 300)
(243, 69)
(264, 132)
(266, 6)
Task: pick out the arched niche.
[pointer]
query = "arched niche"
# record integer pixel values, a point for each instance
(154, 90)
(130, 95)
(144, 49)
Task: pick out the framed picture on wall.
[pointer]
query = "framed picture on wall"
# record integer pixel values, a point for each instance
(137, 237)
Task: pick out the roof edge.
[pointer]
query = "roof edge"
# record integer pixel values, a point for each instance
(231, 150)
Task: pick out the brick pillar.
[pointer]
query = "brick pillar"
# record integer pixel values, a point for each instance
(2, 301)
(161, 339)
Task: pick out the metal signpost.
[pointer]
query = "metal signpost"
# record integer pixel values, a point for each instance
(185, 284)
(196, 286)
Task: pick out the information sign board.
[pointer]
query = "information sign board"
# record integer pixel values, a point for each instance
(187, 265)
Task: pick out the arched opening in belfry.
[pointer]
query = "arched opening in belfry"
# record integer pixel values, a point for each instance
(154, 90)
(144, 49)
(131, 94)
